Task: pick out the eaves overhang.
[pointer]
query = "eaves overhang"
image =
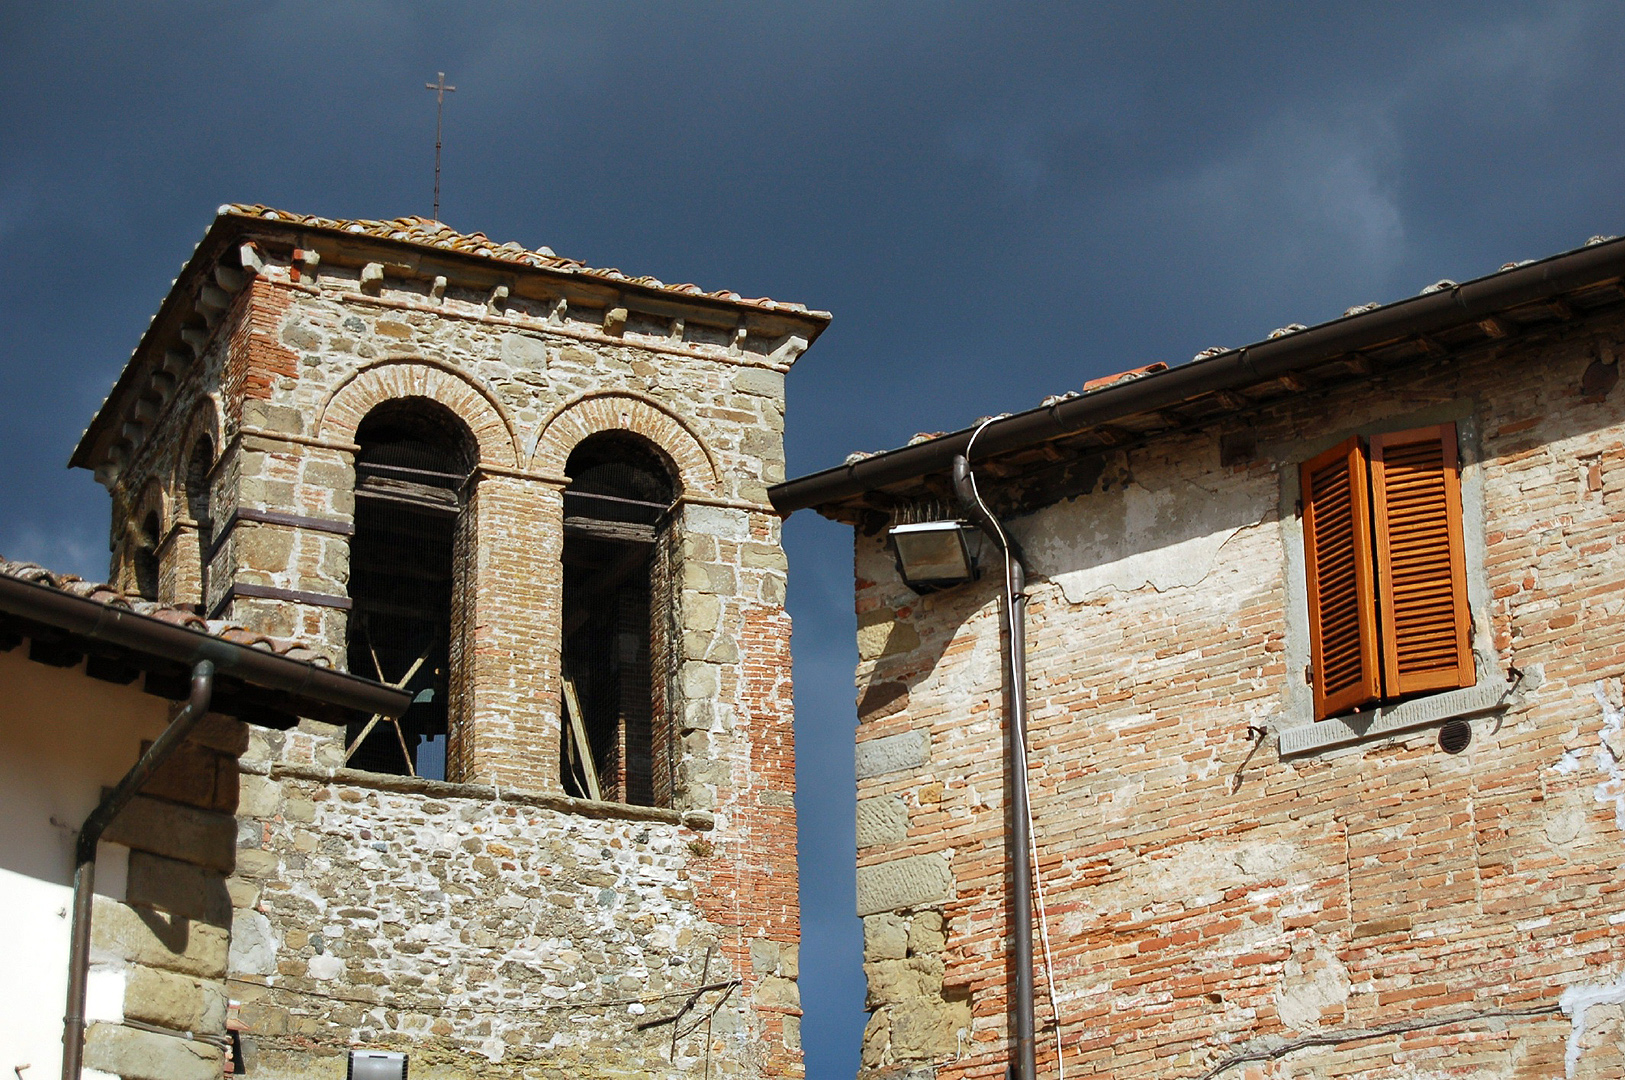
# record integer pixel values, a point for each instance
(218, 256)
(1510, 302)
(253, 683)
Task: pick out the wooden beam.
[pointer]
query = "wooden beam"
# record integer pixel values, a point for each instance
(597, 529)
(578, 731)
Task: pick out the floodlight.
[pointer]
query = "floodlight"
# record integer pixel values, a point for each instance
(934, 554)
(376, 1065)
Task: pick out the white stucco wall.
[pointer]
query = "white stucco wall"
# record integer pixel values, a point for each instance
(63, 737)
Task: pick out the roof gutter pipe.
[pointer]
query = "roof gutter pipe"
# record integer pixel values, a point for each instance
(1256, 363)
(1019, 845)
(84, 863)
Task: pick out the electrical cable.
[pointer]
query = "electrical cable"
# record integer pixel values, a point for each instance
(1026, 808)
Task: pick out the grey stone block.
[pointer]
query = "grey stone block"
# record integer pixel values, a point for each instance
(764, 956)
(885, 937)
(169, 943)
(917, 881)
(177, 1002)
(876, 757)
(145, 1055)
(177, 832)
(882, 821)
(178, 888)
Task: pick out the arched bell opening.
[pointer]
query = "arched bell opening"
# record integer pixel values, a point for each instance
(617, 638)
(198, 464)
(146, 565)
(413, 461)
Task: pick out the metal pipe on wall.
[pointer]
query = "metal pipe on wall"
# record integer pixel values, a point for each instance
(84, 865)
(1021, 885)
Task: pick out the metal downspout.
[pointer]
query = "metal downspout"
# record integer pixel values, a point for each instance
(84, 864)
(1021, 886)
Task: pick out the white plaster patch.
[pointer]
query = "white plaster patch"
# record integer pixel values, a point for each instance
(104, 993)
(717, 521)
(1166, 537)
(1196, 874)
(253, 945)
(1575, 1001)
(1311, 985)
(326, 966)
(1612, 787)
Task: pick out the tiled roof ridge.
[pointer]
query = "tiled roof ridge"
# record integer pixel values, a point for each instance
(175, 615)
(428, 232)
(1106, 382)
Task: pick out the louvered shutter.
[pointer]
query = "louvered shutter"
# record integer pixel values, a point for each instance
(1342, 615)
(1422, 579)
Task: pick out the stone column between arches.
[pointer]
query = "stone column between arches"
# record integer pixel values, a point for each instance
(506, 610)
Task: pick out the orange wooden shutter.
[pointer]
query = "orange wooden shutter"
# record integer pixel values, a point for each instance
(1342, 616)
(1422, 577)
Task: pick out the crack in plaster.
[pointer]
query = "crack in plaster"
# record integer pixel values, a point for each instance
(1168, 537)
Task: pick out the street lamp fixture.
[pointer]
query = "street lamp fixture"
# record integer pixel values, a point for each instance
(934, 555)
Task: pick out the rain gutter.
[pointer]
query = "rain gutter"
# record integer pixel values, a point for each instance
(105, 623)
(1234, 370)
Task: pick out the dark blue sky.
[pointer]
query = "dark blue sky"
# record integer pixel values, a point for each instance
(996, 201)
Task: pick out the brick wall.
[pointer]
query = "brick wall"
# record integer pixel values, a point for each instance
(1380, 909)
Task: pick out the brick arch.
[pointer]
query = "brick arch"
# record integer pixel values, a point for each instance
(205, 420)
(154, 497)
(390, 380)
(611, 411)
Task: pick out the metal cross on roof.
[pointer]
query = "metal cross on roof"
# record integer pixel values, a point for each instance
(440, 91)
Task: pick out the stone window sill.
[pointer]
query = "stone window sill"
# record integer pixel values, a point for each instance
(698, 820)
(1387, 720)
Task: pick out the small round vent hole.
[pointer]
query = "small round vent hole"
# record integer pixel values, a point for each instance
(1455, 736)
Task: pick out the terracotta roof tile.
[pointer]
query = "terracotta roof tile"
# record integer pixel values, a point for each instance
(169, 613)
(1123, 376)
(427, 232)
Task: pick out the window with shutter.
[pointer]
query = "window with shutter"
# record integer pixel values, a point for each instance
(1342, 621)
(1421, 572)
(1386, 572)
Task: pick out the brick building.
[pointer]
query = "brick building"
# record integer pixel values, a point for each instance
(533, 495)
(1324, 669)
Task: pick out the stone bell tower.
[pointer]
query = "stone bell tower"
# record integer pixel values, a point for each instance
(501, 478)
(534, 494)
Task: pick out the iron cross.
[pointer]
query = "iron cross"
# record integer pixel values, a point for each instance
(440, 91)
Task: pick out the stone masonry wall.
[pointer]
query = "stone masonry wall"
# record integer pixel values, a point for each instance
(492, 935)
(308, 342)
(1383, 909)
(167, 942)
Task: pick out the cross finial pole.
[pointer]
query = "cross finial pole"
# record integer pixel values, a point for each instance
(440, 91)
